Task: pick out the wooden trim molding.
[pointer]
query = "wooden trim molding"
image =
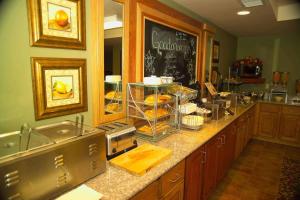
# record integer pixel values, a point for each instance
(97, 61)
(209, 29)
(97, 9)
(206, 35)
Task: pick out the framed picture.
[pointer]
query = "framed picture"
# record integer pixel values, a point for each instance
(57, 23)
(59, 86)
(214, 75)
(216, 51)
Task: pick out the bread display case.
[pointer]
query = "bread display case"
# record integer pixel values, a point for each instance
(113, 97)
(153, 109)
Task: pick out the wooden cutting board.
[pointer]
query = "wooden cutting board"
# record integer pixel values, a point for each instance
(141, 159)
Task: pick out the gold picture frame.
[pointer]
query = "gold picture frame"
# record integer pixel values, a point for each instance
(216, 51)
(57, 23)
(59, 86)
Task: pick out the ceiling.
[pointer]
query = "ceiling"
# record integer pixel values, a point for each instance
(261, 21)
(112, 8)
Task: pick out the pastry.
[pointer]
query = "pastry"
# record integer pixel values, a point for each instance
(185, 92)
(161, 98)
(203, 111)
(150, 114)
(188, 108)
(113, 107)
(113, 95)
(192, 120)
(146, 129)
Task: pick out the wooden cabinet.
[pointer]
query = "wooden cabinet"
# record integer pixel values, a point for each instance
(279, 123)
(268, 123)
(169, 186)
(268, 120)
(221, 156)
(176, 193)
(225, 150)
(244, 130)
(210, 167)
(241, 134)
(151, 192)
(172, 178)
(251, 124)
(289, 130)
(230, 142)
(194, 174)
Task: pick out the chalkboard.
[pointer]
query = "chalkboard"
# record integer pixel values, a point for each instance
(169, 52)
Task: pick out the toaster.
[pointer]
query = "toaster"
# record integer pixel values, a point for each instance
(120, 138)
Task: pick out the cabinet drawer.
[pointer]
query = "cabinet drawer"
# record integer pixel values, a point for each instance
(172, 177)
(176, 193)
(292, 110)
(149, 193)
(266, 107)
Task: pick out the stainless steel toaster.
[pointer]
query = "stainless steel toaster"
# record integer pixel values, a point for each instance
(120, 137)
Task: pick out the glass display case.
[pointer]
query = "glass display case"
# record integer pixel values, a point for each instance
(153, 109)
(113, 97)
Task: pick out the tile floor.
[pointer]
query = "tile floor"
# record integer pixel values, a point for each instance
(255, 174)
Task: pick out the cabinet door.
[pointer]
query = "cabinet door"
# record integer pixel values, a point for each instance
(250, 127)
(289, 128)
(221, 156)
(194, 175)
(176, 193)
(241, 135)
(230, 142)
(210, 168)
(174, 176)
(268, 123)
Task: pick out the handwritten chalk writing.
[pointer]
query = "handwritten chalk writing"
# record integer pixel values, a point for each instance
(149, 61)
(159, 43)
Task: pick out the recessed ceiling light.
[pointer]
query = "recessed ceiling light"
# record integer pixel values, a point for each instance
(243, 12)
(252, 3)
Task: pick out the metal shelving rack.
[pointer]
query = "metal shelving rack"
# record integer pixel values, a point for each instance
(158, 126)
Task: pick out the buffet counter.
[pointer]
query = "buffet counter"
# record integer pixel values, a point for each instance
(118, 184)
(289, 103)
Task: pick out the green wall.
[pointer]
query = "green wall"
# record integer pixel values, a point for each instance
(279, 52)
(228, 42)
(16, 98)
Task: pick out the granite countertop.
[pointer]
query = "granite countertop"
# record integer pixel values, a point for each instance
(118, 184)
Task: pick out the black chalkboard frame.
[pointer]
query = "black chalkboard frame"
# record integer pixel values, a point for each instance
(176, 25)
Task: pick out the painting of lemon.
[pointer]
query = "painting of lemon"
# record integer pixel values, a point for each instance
(59, 17)
(61, 90)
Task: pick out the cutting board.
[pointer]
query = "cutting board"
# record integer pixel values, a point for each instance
(141, 159)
